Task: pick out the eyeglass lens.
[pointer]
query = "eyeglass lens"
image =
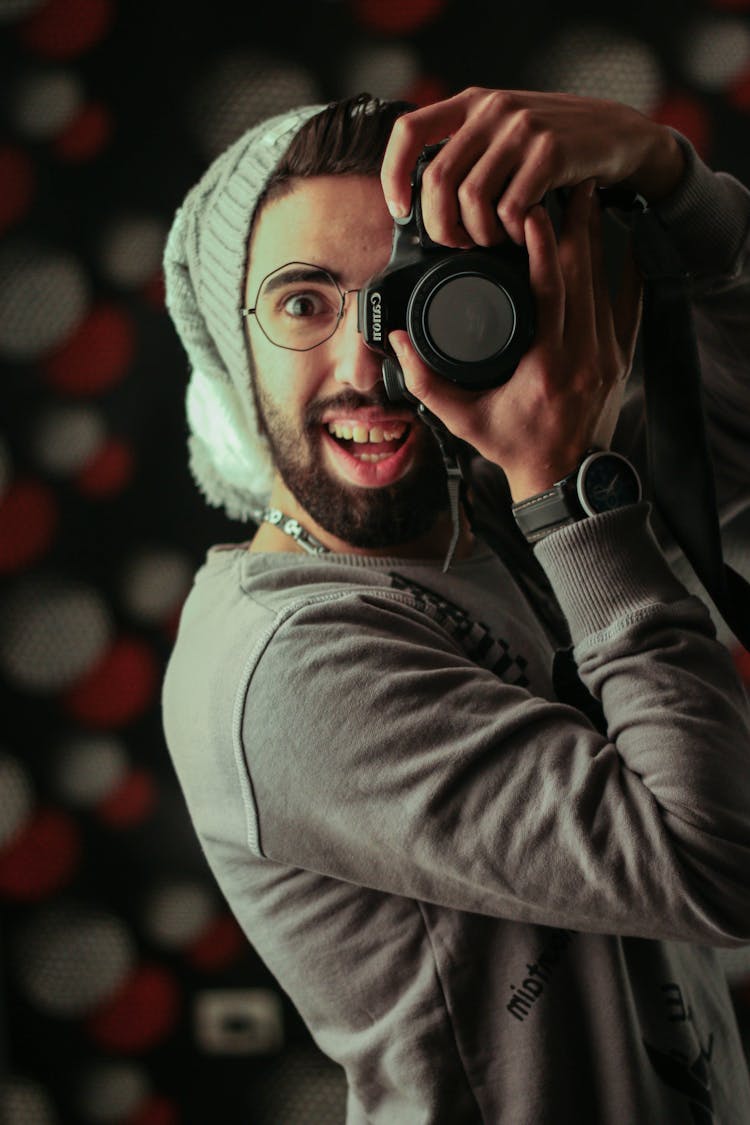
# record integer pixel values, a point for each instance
(299, 305)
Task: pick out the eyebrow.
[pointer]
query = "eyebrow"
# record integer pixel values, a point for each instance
(299, 273)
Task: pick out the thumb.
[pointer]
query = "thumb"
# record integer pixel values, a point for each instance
(453, 405)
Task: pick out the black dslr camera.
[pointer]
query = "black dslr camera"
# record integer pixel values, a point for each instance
(469, 313)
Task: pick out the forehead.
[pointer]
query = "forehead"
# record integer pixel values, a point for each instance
(340, 222)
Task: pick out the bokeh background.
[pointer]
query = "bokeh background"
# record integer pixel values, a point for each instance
(128, 994)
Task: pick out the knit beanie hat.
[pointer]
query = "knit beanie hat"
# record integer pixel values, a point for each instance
(205, 264)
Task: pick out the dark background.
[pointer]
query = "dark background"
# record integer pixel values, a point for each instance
(128, 993)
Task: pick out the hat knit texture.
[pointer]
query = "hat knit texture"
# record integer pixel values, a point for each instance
(205, 262)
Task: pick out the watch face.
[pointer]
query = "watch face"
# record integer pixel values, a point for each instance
(607, 481)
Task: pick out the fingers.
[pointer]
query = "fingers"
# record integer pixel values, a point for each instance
(545, 275)
(576, 264)
(409, 135)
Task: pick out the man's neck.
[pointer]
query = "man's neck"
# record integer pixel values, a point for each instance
(433, 544)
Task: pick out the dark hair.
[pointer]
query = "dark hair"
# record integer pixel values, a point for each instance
(348, 137)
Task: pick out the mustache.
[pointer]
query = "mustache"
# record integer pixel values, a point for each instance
(351, 401)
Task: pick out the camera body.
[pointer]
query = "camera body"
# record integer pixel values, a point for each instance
(468, 313)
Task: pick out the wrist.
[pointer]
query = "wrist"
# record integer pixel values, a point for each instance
(662, 169)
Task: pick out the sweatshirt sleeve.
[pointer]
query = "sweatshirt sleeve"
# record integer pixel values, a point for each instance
(378, 754)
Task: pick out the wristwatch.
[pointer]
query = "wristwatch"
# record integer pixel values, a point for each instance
(603, 481)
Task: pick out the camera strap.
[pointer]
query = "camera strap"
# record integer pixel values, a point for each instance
(455, 483)
(679, 458)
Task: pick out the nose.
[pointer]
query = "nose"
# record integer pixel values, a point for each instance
(356, 365)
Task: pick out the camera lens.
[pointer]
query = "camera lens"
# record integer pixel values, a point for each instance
(469, 318)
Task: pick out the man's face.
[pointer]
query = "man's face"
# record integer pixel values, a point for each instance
(389, 488)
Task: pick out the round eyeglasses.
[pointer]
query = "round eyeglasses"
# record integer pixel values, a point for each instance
(299, 306)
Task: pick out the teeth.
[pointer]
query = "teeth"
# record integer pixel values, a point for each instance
(361, 434)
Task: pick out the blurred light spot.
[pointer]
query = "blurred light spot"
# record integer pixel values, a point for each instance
(12, 10)
(41, 105)
(155, 582)
(131, 802)
(42, 858)
(176, 915)
(70, 958)
(395, 17)
(23, 1102)
(64, 29)
(29, 521)
(65, 438)
(597, 62)
(94, 357)
(141, 1015)
(131, 250)
(120, 687)
(89, 768)
(86, 135)
(688, 116)
(19, 184)
(52, 632)
(112, 1092)
(386, 70)
(241, 89)
(714, 51)
(16, 798)
(44, 296)
(109, 472)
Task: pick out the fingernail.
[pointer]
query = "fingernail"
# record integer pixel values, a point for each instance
(396, 209)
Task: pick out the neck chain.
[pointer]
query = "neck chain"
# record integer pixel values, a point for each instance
(294, 530)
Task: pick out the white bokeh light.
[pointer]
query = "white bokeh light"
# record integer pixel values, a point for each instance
(42, 104)
(70, 959)
(52, 632)
(155, 582)
(16, 798)
(89, 767)
(385, 70)
(598, 62)
(131, 250)
(242, 88)
(715, 50)
(44, 296)
(177, 914)
(66, 438)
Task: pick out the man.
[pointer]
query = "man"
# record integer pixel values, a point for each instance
(487, 903)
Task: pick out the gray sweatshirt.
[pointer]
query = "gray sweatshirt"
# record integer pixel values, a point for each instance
(494, 895)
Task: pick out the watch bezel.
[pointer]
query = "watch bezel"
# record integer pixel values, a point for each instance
(583, 472)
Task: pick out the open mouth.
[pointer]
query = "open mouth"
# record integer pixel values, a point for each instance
(370, 444)
(372, 453)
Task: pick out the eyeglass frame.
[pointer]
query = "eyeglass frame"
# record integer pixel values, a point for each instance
(343, 293)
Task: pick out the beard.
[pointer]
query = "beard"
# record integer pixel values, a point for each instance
(362, 517)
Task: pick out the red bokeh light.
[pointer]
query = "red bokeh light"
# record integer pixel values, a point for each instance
(118, 689)
(218, 946)
(426, 90)
(158, 1110)
(689, 116)
(18, 180)
(141, 1014)
(96, 356)
(396, 17)
(109, 471)
(86, 135)
(131, 802)
(28, 523)
(64, 29)
(741, 659)
(41, 858)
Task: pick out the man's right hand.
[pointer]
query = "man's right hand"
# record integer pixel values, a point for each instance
(566, 392)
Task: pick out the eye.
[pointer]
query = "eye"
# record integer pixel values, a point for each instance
(302, 305)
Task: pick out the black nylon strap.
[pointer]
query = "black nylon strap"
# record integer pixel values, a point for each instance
(679, 458)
